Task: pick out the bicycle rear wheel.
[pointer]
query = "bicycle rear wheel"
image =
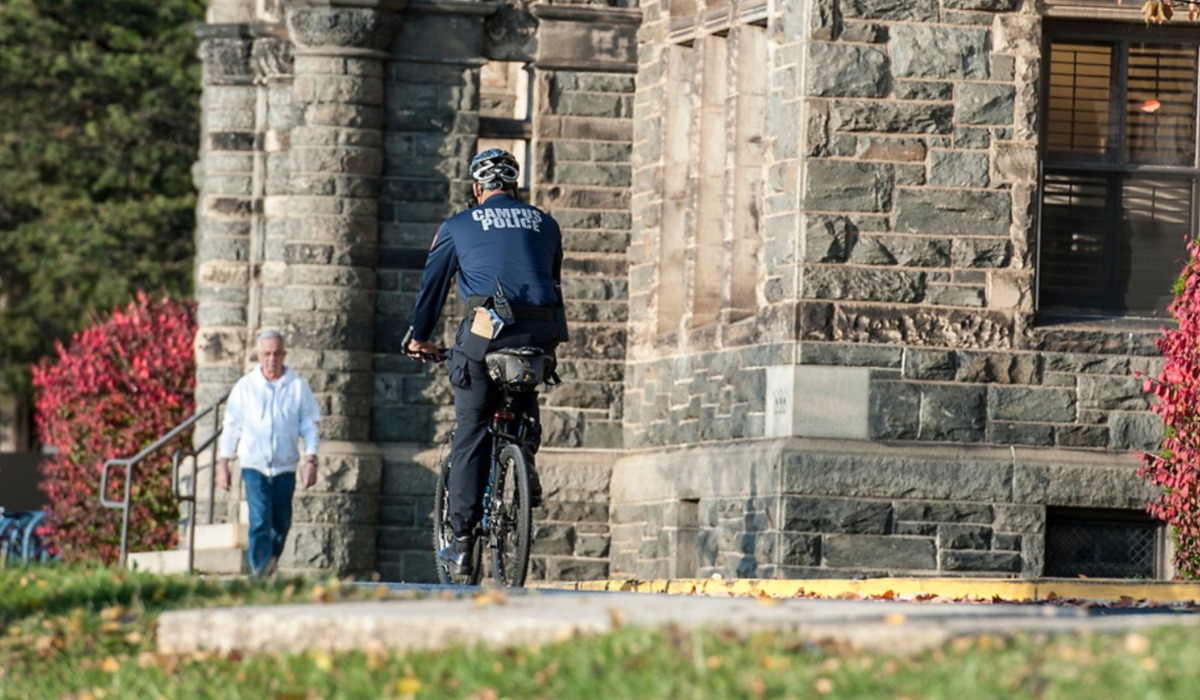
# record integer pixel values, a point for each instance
(511, 519)
(443, 533)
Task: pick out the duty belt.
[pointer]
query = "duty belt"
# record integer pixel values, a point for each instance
(521, 313)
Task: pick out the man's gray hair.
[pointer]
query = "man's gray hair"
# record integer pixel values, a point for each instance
(267, 334)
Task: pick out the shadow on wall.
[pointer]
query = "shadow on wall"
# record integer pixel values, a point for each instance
(19, 478)
(752, 527)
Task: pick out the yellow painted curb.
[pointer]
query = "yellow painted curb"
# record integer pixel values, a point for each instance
(1033, 590)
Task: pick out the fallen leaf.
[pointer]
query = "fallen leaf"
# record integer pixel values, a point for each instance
(408, 686)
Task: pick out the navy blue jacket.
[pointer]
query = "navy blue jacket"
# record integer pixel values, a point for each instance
(502, 238)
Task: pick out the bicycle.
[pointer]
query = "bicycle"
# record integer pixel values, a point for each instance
(506, 528)
(20, 544)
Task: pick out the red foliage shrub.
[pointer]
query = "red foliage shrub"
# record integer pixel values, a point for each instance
(123, 383)
(1177, 463)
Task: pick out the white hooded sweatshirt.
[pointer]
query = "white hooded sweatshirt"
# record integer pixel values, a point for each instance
(264, 421)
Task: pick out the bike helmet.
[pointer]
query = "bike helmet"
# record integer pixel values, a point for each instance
(495, 169)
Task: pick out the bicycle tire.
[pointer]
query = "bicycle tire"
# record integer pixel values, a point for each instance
(443, 533)
(511, 519)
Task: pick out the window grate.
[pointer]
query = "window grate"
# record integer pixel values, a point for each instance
(1101, 547)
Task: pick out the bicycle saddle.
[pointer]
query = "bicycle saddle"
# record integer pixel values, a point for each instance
(520, 369)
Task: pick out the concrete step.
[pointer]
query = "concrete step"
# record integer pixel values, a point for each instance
(174, 561)
(219, 536)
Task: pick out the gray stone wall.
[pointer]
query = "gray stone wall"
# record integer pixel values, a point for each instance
(872, 279)
(583, 127)
(804, 508)
(330, 253)
(896, 271)
(921, 190)
(224, 174)
(899, 241)
(706, 383)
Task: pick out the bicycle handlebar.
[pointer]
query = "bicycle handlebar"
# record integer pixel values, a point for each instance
(439, 356)
(428, 357)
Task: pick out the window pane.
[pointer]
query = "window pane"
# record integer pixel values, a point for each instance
(1076, 258)
(1112, 254)
(1077, 116)
(1161, 105)
(1156, 223)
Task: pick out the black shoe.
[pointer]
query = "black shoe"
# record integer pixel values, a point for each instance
(457, 555)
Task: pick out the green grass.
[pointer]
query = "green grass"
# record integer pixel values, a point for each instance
(89, 633)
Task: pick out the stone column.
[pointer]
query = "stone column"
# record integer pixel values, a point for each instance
(225, 207)
(330, 251)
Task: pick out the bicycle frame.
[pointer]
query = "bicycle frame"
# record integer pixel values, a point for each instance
(504, 419)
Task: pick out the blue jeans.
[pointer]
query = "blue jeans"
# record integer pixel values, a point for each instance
(270, 501)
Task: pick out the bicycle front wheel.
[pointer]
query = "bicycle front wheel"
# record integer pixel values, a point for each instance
(511, 531)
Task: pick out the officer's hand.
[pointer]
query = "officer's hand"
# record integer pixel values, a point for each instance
(423, 350)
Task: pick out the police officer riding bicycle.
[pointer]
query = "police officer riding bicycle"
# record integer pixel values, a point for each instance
(508, 259)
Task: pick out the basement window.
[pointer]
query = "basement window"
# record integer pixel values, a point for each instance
(1104, 544)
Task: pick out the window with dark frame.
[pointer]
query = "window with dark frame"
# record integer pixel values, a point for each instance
(1104, 544)
(1119, 170)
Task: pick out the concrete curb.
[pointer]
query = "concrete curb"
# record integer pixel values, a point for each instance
(888, 614)
(1006, 590)
(498, 618)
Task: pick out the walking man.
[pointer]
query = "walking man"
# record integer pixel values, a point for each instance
(269, 410)
(507, 256)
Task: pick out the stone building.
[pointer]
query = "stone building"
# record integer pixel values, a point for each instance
(858, 287)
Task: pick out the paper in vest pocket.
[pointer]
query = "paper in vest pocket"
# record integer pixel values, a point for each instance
(486, 323)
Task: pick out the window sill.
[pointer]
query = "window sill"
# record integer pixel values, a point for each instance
(1097, 322)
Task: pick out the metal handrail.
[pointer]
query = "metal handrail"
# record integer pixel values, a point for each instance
(190, 499)
(130, 462)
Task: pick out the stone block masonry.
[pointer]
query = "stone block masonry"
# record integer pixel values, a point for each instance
(804, 508)
(895, 282)
(783, 223)
(908, 241)
(582, 151)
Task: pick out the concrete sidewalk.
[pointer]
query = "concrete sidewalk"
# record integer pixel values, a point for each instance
(431, 617)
